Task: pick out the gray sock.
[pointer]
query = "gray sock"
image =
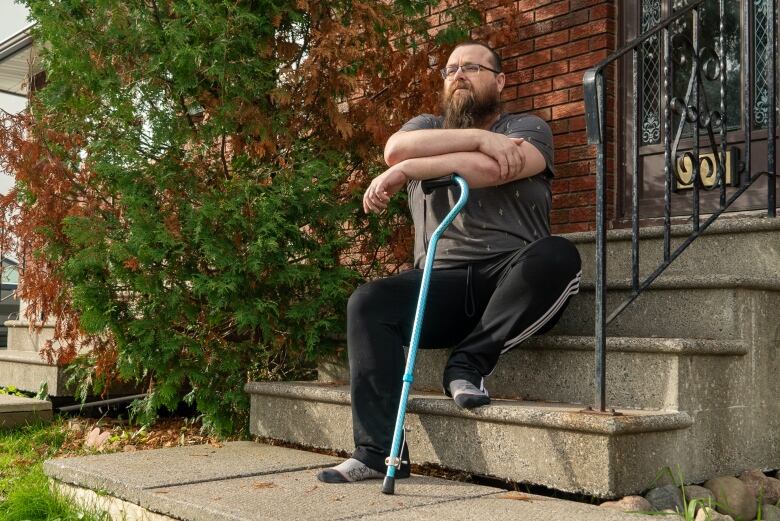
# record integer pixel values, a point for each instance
(349, 471)
(467, 395)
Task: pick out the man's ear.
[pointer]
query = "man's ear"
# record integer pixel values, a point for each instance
(500, 81)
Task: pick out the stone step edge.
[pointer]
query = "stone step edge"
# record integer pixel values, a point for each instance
(533, 414)
(24, 357)
(659, 345)
(714, 281)
(737, 225)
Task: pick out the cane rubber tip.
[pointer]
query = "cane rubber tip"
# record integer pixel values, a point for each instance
(388, 487)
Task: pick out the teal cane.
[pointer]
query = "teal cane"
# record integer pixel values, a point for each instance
(394, 461)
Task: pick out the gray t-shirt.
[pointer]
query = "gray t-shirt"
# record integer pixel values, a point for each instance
(497, 219)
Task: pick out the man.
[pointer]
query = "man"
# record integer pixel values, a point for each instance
(499, 277)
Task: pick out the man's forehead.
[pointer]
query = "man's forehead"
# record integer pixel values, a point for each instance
(469, 54)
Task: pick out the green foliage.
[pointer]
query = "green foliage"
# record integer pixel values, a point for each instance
(201, 182)
(24, 487)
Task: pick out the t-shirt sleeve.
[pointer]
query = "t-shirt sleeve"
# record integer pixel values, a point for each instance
(537, 132)
(423, 121)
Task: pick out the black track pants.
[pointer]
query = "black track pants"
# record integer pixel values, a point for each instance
(483, 311)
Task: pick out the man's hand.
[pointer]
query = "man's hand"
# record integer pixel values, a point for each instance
(505, 151)
(382, 188)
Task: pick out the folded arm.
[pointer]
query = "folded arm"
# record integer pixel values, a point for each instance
(478, 169)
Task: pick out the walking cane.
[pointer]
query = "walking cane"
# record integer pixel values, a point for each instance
(393, 462)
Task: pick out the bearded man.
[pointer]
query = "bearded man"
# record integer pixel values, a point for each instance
(499, 276)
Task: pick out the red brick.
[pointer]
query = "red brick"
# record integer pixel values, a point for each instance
(523, 47)
(519, 105)
(534, 30)
(579, 4)
(535, 87)
(552, 10)
(567, 80)
(551, 98)
(570, 49)
(578, 184)
(509, 65)
(552, 39)
(575, 93)
(574, 169)
(586, 214)
(559, 216)
(521, 76)
(590, 29)
(576, 123)
(583, 152)
(560, 186)
(562, 156)
(571, 228)
(499, 13)
(602, 41)
(559, 126)
(571, 19)
(509, 93)
(568, 110)
(585, 61)
(533, 59)
(551, 69)
(601, 11)
(571, 139)
(542, 113)
(573, 200)
(526, 5)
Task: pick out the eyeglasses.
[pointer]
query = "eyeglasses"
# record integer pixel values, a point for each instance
(468, 69)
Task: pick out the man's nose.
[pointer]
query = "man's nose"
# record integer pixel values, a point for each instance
(459, 74)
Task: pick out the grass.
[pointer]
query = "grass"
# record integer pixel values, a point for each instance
(24, 489)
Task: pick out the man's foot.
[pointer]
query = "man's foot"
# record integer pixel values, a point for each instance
(349, 471)
(467, 395)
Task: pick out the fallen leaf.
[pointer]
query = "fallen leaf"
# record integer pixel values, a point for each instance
(519, 496)
(263, 484)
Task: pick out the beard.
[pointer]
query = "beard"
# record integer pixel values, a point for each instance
(464, 108)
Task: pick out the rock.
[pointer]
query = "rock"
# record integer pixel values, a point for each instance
(630, 504)
(704, 495)
(668, 496)
(770, 512)
(733, 497)
(92, 438)
(763, 487)
(708, 514)
(96, 439)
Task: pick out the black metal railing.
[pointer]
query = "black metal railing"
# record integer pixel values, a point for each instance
(694, 118)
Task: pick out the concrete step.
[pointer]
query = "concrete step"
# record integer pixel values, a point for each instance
(643, 373)
(721, 307)
(22, 338)
(245, 481)
(742, 246)
(555, 445)
(19, 410)
(26, 370)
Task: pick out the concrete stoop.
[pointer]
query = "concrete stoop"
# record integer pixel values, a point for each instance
(243, 481)
(18, 410)
(555, 445)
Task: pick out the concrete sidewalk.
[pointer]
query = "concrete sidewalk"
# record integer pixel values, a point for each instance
(241, 481)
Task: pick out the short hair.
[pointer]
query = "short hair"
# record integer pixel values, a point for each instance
(494, 57)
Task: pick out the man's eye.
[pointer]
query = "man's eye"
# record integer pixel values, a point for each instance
(470, 68)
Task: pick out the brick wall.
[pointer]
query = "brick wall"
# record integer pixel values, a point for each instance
(554, 42)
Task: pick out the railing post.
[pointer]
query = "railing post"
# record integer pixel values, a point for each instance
(601, 252)
(771, 75)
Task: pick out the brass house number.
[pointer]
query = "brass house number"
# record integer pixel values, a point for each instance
(683, 178)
